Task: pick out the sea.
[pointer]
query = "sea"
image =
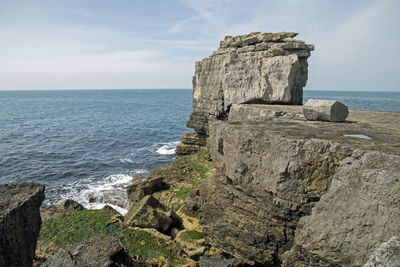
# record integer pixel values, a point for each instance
(80, 142)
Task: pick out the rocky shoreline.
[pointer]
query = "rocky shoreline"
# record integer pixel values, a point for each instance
(257, 184)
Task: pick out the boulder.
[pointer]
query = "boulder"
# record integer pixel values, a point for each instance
(388, 254)
(325, 110)
(149, 213)
(137, 191)
(63, 207)
(101, 250)
(19, 222)
(252, 68)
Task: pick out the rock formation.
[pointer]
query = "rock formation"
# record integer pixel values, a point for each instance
(298, 193)
(101, 250)
(388, 254)
(61, 208)
(252, 68)
(325, 110)
(19, 222)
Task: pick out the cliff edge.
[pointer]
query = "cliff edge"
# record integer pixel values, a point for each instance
(288, 191)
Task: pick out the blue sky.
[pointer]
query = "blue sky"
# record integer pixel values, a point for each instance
(102, 44)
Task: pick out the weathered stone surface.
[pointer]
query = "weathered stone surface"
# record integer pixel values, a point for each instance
(19, 222)
(191, 143)
(137, 191)
(101, 250)
(116, 197)
(325, 110)
(149, 213)
(267, 68)
(61, 258)
(388, 254)
(360, 211)
(256, 113)
(61, 208)
(214, 262)
(292, 190)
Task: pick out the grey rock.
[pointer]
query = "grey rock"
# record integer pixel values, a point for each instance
(101, 250)
(61, 258)
(264, 68)
(137, 191)
(215, 262)
(325, 110)
(150, 213)
(388, 254)
(358, 213)
(255, 113)
(116, 197)
(300, 192)
(64, 207)
(19, 222)
(191, 143)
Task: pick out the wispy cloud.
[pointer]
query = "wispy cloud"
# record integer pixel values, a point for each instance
(154, 44)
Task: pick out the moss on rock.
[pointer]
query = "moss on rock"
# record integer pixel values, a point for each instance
(68, 231)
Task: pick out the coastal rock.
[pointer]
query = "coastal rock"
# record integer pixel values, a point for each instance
(190, 144)
(61, 258)
(61, 208)
(117, 197)
(214, 262)
(325, 110)
(101, 250)
(297, 191)
(137, 191)
(192, 242)
(19, 222)
(149, 213)
(388, 254)
(360, 211)
(252, 68)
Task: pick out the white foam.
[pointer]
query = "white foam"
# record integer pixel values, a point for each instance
(80, 190)
(167, 148)
(97, 206)
(126, 160)
(361, 136)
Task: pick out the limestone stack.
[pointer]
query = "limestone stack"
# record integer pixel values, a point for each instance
(253, 68)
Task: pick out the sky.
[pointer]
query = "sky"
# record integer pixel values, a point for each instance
(131, 44)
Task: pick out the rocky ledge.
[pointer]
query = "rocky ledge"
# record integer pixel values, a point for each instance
(299, 193)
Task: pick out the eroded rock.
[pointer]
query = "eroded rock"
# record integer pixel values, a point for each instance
(298, 191)
(190, 144)
(325, 110)
(64, 207)
(252, 68)
(388, 254)
(19, 222)
(149, 213)
(137, 191)
(101, 250)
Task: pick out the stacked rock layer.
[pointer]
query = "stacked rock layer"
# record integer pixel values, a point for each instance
(252, 68)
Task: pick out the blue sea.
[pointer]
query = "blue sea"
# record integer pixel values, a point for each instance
(82, 141)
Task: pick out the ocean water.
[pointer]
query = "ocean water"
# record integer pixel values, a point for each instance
(80, 142)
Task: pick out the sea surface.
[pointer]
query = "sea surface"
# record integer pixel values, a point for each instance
(80, 142)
